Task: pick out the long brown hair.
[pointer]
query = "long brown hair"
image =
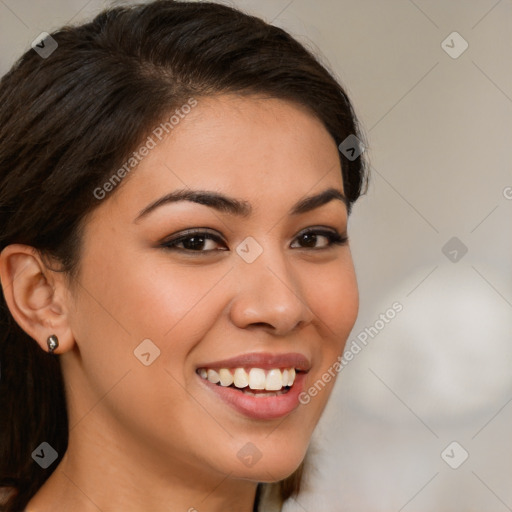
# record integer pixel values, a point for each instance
(69, 120)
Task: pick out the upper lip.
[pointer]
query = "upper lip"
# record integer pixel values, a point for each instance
(264, 360)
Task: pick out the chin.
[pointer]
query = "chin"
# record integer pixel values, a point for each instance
(268, 466)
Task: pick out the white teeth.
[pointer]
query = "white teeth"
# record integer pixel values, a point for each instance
(291, 376)
(274, 381)
(226, 379)
(271, 380)
(241, 379)
(213, 376)
(257, 378)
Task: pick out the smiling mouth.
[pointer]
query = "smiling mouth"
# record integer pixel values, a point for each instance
(252, 381)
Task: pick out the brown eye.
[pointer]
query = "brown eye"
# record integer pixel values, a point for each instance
(311, 238)
(205, 242)
(194, 242)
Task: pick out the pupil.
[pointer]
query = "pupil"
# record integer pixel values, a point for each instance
(309, 239)
(194, 242)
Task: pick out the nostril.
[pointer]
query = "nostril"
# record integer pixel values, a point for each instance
(261, 324)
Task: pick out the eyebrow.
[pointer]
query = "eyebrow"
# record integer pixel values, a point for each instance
(238, 207)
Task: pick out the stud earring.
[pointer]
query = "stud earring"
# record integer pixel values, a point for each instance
(52, 342)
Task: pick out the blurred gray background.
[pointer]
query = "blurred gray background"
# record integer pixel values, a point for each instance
(421, 417)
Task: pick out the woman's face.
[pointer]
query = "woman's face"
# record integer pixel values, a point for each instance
(254, 298)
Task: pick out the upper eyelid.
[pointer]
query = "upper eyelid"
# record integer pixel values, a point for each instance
(190, 232)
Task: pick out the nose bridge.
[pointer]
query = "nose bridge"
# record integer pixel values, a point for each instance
(267, 291)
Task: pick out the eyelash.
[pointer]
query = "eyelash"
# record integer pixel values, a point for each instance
(333, 237)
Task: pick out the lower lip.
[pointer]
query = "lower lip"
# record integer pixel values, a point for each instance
(262, 408)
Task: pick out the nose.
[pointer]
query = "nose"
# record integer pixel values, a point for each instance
(269, 295)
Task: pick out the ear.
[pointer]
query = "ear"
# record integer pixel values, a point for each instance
(36, 296)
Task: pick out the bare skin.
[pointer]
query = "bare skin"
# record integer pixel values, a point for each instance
(155, 437)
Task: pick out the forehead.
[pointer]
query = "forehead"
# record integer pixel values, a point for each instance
(260, 150)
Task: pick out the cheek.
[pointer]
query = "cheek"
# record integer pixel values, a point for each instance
(122, 304)
(334, 298)
(123, 299)
(142, 298)
(127, 299)
(335, 301)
